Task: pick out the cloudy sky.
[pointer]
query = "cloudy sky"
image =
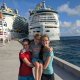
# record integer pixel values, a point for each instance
(69, 12)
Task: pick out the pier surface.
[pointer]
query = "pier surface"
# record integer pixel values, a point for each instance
(9, 64)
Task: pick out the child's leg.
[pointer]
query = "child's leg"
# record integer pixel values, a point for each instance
(40, 70)
(36, 70)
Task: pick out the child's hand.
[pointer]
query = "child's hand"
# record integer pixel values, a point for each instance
(23, 50)
(50, 49)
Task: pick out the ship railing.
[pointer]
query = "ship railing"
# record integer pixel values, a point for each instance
(69, 67)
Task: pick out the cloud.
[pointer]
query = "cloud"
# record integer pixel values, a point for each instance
(70, 11)
(70, 24)
(65, 24)
(78, 23)
(78, 31)
(70, 28)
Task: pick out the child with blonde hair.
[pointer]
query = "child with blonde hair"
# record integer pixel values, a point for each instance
(35, 49)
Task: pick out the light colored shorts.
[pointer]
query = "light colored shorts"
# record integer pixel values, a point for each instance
(26, 78)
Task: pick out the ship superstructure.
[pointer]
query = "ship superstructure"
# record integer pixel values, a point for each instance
(7, 17)
(45, 21)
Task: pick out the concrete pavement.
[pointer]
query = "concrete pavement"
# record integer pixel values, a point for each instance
(9, 64)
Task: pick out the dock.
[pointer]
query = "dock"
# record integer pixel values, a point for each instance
(9, 64)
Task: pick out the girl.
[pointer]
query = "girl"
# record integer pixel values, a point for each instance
(35, 48)
(25, 70)
(47, 56)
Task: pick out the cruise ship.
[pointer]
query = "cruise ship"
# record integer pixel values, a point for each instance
(44, 20)
(7, 17)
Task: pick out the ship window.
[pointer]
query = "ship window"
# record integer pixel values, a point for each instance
(50, 27)
(47, 30)
(33, 31)
(38, 31)
(37, 27)
(46, 14)
(0, 22)
(45, 21)
(30, 28)
(54, 27)
(5, 25)
(34, 27)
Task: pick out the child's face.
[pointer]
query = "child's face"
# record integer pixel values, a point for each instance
(25, 45)
(37, 40)
(45, 41)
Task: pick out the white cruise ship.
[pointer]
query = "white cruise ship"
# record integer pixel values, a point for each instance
(45, 21)
(7, 17)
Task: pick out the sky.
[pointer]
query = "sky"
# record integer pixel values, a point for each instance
(68, 10)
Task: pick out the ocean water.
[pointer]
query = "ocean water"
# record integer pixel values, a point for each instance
(68, 48)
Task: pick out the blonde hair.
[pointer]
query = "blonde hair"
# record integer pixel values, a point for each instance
(45, 35)
(37, 35)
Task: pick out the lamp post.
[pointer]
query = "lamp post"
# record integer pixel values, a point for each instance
(3, 33)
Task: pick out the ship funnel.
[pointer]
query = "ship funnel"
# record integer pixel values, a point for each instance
(43, 5)
(4, 6)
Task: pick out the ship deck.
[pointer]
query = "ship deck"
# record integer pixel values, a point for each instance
(9, 64)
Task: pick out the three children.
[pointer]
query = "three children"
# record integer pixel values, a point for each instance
(42, 65)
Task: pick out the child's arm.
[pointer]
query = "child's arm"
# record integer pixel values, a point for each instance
(49, 56)
(50, 49)
(25, 60)
(47, 62)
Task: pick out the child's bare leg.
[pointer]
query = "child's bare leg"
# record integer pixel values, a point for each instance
(36, 70)
(40, 71)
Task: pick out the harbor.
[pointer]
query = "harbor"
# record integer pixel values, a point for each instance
(41, 19)
(9, 64)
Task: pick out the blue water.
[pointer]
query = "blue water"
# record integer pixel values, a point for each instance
(68, 48)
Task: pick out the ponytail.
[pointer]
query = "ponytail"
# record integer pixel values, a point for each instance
(41, 53)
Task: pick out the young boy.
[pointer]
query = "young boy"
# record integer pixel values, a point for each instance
(35, 48)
